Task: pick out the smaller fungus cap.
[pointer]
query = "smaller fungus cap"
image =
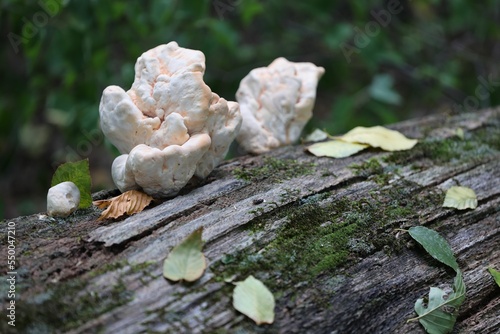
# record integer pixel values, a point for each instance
(276, 102)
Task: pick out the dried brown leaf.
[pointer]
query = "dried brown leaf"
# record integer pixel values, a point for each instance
(103, 203)
(128, 203)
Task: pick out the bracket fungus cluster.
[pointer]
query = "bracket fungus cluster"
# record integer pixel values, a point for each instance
(276, 102)
(169, 126)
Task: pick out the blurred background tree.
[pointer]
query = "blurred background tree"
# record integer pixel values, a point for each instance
(385, 61)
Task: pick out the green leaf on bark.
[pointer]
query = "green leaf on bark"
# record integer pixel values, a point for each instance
(438, 312)
(78, 173)
(186, 261)
(495, 274)
(435, 245)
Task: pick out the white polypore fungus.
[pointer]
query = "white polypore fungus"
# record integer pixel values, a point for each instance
(276, 102)
(63, 199)
(169, 126)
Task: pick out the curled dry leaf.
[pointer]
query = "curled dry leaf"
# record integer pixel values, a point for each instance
(460, 198)
(128, 203)
(378, 136)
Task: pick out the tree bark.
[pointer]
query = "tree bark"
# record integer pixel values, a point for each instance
(325, 235)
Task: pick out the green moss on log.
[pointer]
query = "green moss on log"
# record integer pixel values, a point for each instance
(325, 235)
(373, 170)
(476, 145)
(274, 170)
(70, 304)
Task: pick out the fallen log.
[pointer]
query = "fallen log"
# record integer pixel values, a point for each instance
(324, 235)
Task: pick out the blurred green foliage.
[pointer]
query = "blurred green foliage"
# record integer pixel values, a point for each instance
(428, 56)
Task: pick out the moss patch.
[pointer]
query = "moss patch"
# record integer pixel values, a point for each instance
(275, 170)
(489, 136)
(323, 236)
(368, 168)
(373, 170)
(476, 146)
(71, 304)
(67, 307)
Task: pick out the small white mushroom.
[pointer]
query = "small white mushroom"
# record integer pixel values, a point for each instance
(169, 126)
(63, 199)
(276, 102)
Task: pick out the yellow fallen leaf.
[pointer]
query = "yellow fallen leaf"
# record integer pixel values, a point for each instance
(252, 298)
(335, 149)
(186, 261)
(130, 202)
(460, 198)
(378, 136)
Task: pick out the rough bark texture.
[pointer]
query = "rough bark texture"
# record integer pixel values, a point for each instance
(324, 235)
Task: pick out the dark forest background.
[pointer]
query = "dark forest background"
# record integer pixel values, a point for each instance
(385, 61)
